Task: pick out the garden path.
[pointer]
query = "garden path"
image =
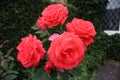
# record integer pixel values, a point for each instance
(109, 71)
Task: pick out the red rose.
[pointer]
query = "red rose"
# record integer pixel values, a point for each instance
(49, 65)
(40, 23)
(54, 14)
(66, 51)
(84, 29)
(30, 51)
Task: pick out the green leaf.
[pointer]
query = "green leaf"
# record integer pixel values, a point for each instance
(10, 77)
(9, 51)
(44, 40)
(41, 33)
(73, 72)
(1, 54)
(71, 6)
(11, 72)
(35, 27)
(40, 75)
(5, 65)
(11, 58)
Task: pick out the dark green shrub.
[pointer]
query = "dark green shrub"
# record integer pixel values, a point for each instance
(113, 51)
(92, 10)
(17, 17)
(7, 64)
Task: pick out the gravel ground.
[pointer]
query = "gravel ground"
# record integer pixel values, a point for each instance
(109, 71)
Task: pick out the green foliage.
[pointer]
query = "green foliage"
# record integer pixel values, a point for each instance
(7, 66)
(113, 51)
(40, 75)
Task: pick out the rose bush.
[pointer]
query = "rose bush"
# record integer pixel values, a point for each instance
(65, 48)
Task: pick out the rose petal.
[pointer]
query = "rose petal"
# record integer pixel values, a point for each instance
(53, 36)
(40, 23)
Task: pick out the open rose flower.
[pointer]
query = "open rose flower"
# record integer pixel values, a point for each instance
(30, 51)
(84, 29)
(54, 14)
(66, 51)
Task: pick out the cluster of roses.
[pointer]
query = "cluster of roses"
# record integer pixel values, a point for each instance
(66, 50)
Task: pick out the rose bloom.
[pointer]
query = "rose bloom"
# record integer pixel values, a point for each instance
(66, 51)
(48, 66)
(84, 29)
(30, 51)
(54, 14)
(40, 23)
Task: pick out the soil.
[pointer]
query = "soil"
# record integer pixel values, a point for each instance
(109, 71)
